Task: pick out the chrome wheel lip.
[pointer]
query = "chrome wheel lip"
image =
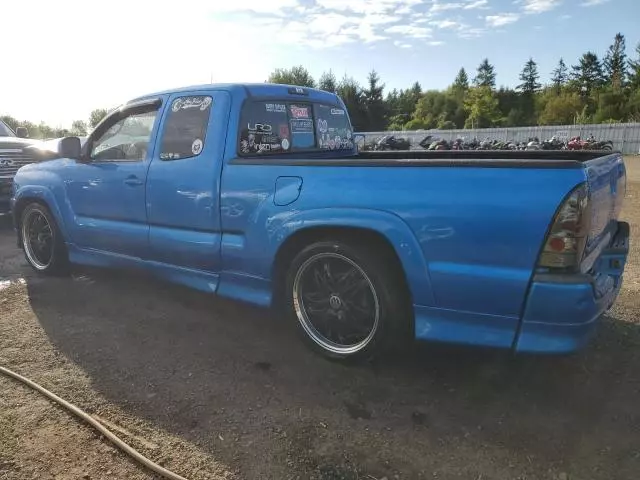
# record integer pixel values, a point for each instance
(26, 244)
(307, 324)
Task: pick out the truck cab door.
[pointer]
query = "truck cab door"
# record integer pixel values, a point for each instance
(183, 185)
(106, 191)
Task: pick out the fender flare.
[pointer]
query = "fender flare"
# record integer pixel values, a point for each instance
(390, 226)
(43, 195)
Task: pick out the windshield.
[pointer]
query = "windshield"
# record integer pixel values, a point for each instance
(5, 131)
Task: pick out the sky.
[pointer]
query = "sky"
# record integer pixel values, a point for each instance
(61, 59)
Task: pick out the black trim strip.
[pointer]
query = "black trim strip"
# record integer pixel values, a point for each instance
(434, 161)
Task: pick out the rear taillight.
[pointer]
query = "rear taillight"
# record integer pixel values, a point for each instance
(567, 238)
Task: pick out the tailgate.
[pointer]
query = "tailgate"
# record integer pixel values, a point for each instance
(606, 177)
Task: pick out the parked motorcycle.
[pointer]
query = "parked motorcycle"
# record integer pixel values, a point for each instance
(554, 143)
(576, 143)
(473, 144)
(441, 144)
(390, 142)
(426, 141)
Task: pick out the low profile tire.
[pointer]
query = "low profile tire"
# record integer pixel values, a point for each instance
(347, 302)
(42, 241)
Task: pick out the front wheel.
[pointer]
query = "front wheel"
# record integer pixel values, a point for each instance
(346, 302)
(42, 242)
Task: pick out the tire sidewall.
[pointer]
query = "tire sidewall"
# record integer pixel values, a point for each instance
(58, 264)
(370, 266)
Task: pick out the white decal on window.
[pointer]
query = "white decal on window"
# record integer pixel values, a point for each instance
(276, 107)
(299, 112)
(322, 125)
(191, 102)
(259, 127)
(285, 144)
(196, 146)
(337, 111)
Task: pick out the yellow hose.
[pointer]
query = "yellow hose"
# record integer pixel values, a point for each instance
(97, 425)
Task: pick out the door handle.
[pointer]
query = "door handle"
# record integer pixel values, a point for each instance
(133, 181)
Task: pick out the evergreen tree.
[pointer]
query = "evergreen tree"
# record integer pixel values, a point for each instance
(353, 97)
(634, 74)
(615, 63)
(486, 76)
(374, 101)
(588, 72)
(461, 82)
(328, 82)
(559, 76)
(529, 78)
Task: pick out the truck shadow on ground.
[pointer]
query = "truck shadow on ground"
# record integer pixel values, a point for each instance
(208, 369)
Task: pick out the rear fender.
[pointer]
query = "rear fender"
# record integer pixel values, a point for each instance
(390, 226)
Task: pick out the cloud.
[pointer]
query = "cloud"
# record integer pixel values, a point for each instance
(364, 6)
(593, 3)
(539, 6)
(410, 31)
(501, 19)
(476, 4)
(257, 6)
(441, 7)
(435, 43)
(438, 6)
(401, 44)
(468, 33)
(452, 24)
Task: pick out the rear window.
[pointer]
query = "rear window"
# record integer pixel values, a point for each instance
(277, 127)
(332, 128)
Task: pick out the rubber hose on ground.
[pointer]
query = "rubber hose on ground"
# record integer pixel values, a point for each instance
(132, 452)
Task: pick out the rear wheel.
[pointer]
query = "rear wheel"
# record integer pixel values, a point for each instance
(347, 303)
(42, 242)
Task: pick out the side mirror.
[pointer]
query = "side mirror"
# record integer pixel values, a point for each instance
(66, 147)
(70, 147)
(22, 132)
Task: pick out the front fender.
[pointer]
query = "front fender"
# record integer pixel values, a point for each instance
(392, 227)
(26, 193)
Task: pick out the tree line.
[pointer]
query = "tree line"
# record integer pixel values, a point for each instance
(593, 90)
(78, 128)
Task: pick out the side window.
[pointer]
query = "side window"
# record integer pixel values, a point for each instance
(185, 128)
(126, 140)
(264, 128)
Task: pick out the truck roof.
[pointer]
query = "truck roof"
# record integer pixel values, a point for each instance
(250, 89)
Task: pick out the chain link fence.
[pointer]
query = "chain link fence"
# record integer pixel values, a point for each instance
(625, 136)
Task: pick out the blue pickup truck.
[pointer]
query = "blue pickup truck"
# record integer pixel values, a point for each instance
(258, 193)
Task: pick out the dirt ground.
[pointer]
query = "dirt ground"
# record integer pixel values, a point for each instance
(218, 390)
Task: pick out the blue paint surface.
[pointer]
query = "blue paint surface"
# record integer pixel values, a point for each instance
(467, 238)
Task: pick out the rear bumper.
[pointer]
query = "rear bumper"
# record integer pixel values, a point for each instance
(562, 312)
